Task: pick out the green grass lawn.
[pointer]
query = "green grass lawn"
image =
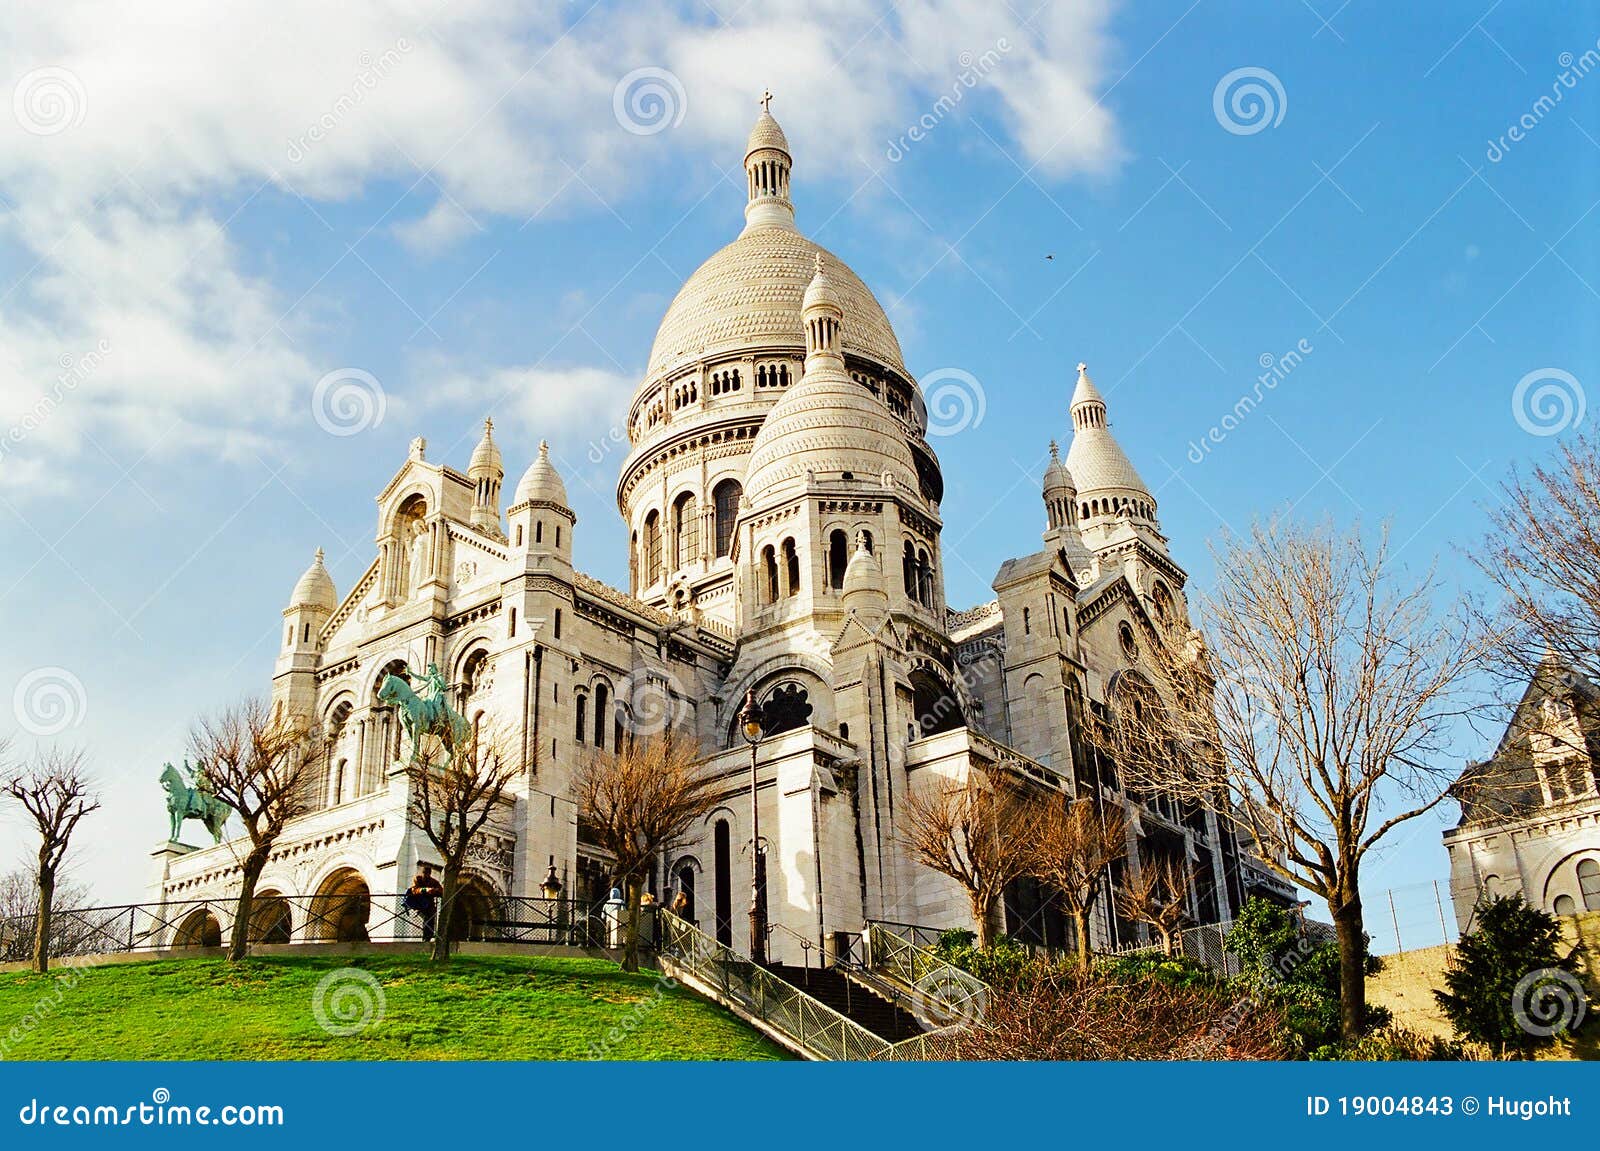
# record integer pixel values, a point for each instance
(473, 1008)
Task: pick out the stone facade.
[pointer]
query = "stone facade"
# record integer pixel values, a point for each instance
(781, 510)
(1530, 815)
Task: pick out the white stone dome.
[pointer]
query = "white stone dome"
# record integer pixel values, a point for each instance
(1097, 462)
(486, 456)
(315, 588)
(749, 295)
(827, 425)
(541, 483)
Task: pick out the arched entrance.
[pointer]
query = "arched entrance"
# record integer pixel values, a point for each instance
(340, 909)
(476, 904)
(199, 929)
(936, 705)
(270, 920)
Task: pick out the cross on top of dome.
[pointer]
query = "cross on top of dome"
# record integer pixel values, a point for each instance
(766, 100)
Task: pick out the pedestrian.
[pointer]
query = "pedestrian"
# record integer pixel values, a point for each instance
(423, 897)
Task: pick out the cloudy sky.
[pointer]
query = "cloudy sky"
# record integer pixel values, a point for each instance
(247, 252)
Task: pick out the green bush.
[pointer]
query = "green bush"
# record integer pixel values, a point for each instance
(1004, 965)
(1393, 1044)
(1172, 970)
(1509, 964)
(1281, 963)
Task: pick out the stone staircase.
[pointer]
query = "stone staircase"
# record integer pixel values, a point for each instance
(851, 998)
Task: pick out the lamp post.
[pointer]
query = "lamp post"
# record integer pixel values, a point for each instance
(750, 721)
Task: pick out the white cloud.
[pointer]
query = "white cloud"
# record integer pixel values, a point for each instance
(141, 128)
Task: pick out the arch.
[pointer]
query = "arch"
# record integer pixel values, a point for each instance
(722, 885)
(685, 530)
(838, 558)
(602, 693)
(1589, 884)
(936, 704)
(652, 548)
(270, 918)
(725, 499)
(581, 727)
(1161, 599)
(769, 574)
(200, 928)
(924, 578)
(908, 569)
(340, 909)
(477, 903)
(787, 706)
(791, 568)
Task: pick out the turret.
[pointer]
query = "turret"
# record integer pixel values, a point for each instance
(486, 473)
(766, 167)
(541, 518)
(1061, 516)
(311, 605)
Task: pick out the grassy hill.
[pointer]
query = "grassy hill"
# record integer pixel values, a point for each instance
(474, 1008)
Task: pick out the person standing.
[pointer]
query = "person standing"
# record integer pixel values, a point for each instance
(423, 897)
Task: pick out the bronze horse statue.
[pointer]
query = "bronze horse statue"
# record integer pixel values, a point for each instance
(192, 802)
(429, 714)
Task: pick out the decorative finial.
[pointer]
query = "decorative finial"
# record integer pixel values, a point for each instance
(544, 447)
(766, 101)
(318, 559)
(488, 427)
(1082, 367)
(818, 262)
(1055, 452)
(419, 448)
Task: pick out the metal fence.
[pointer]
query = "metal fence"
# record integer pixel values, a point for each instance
(936, 991)
(809, 1024)
(276, 918)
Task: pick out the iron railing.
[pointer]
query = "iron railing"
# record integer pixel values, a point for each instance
(277, 918)
(938, 993)
(1205, 944)
(808, 1024)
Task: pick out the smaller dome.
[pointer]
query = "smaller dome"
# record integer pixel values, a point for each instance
(315, 588)
(486, 456)
(1056, 476)
(766, 134)
(820, 293)
(541, 483)
(863, 580)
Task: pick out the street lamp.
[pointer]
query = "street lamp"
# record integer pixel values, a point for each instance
(552, 882)
(750, 721)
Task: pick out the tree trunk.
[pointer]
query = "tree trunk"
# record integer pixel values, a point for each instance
(41, 922)
(634, 887)
(1166, 939)
(983, 916)
(1350, 928)
(447, 910)
(239, 938)
(1080, 928)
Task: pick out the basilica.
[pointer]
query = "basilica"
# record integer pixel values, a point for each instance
(780, 504)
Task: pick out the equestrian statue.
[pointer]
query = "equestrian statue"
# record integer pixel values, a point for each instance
(425, 712)
(192, 798)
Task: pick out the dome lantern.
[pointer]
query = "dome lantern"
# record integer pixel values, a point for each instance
(766, 167)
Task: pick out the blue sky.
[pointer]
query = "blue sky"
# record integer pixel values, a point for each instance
(479, 231)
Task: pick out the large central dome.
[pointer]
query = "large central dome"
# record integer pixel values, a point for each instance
(749, 294)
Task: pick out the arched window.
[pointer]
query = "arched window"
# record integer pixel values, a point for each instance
(1565, 905)
(582, 726)
(788, 707)
(838, 558)
(600, 697)
(924, 578)
(1589, 884)
(725, 499)
(908, 570)
(652, 549)
(685, 531)
(769, 571)
(1162, 599)
(633, 565)
(936, 705)
(791, 568)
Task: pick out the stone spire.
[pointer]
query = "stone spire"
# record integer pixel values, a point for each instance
(766, 166)
(1107, 483)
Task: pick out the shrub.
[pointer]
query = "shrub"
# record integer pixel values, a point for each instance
(1510, 965)
(1173, 970)
(1002, 965)
(1064, 1013)
(1393, 1044)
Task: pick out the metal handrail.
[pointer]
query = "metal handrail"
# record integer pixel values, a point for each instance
(939, 993)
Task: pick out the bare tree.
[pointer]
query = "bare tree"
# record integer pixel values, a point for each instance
(1314, 712)
(55, 790)
(1543, 556)
(454, 796)
(70, 934)
(635, 802)
(1073, 851)
(1158, 896)
(260, 763)
(979, 832)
